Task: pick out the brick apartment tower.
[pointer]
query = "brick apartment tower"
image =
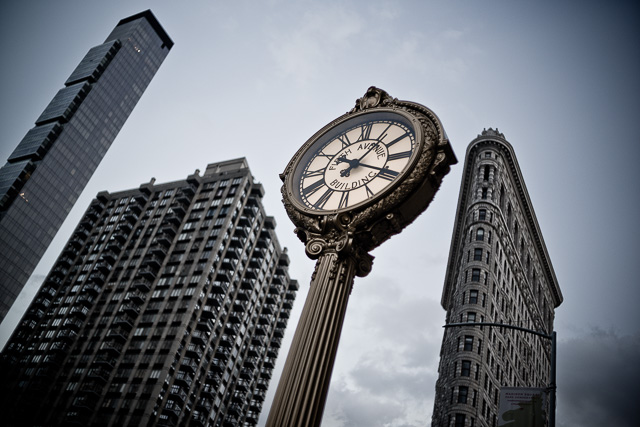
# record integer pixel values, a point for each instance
(166, 307)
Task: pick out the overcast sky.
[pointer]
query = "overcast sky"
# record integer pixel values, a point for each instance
(257, 79)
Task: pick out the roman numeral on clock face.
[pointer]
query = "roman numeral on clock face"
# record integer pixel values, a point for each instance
(397, 156)
(344, 139)
(387, 174)
(365, 132)
(311, 189)
(398, 139)
(311, 174)
(323, 199)
(344, 200)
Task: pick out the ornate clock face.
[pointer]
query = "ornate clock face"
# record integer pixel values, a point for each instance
(355, 161)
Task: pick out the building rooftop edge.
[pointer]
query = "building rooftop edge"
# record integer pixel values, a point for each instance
(155, 24)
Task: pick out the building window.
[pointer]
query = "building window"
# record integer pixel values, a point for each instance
(471, 316)
(460, 420)
(473, 297)
(482, 214)
(475, 275)
(487, 170)
(477, 254)
(463, 392)
(480, 234)
(466, 368)
(468, 343)
(484, 192)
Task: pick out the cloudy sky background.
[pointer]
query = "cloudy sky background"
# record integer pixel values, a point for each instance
(257, 79)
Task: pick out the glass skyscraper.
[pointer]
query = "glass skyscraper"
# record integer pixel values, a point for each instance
(50, 167)
(166, 307)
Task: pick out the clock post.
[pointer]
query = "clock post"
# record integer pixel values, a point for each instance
(354, 184)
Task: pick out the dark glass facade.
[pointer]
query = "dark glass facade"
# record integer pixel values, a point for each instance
(166, 307)
(50, 167)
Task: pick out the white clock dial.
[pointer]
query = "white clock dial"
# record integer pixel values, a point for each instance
(355, 162)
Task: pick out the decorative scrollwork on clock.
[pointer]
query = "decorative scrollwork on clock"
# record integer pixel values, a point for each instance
(366, 175)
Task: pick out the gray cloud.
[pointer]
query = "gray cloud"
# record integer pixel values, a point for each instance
(598, 376)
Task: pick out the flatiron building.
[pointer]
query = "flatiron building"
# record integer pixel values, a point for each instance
(46, 173)
(498, 271)
(166, 307)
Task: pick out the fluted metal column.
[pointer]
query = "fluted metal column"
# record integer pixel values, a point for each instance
(303, 387)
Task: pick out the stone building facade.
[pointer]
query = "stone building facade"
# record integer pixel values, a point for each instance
(498, 271)
(166, 307)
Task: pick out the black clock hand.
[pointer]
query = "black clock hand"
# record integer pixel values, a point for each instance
(386, 173)
(373, 145)
(353, 163)
(373, 167)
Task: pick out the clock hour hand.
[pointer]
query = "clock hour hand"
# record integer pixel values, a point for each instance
(353, 163)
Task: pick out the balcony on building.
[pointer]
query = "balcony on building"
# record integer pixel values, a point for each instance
(124, 320)
(81, 234)
(177, 213)
(217, 365)
(87, 223)
(235, 409)
(199, 337)
(208, 391)
(178, 393)
(92, 388)
(223, 276)
(199, 419)
(183, 378)
(75, 242)
(216, 298)
(276, 342)
(246, 373)
(209, 312)
(147, 272)
(99, 374)
(118, 333)
(85, 299)
(189, 365)
(142, 284)
(124, 227)
(109, 255)
(130, 217)
(195, 351)
(105, 359)
(130, 308)
(72, 323)
(54, 360)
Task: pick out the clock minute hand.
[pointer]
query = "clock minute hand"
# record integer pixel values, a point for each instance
(373, 145)
(384, 172)
(372, 167)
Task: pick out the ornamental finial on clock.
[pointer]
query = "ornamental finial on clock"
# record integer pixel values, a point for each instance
(372, 98)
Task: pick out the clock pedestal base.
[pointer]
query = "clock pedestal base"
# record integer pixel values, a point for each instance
(303, 387)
